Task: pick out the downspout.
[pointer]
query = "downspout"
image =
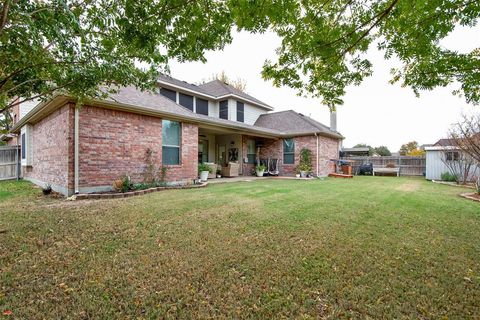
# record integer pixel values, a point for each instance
(76, 151)
(316, 135)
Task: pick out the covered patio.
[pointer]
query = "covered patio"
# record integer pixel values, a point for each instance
(232, 154)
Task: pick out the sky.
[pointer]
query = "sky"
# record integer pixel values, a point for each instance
(376, 112)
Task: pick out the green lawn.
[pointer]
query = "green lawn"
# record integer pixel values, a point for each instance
(368, 247)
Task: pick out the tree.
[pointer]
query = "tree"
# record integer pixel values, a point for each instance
(239, 84)
(324, 47)
(79, 46)
(406, 148)
(382, 151)
(364, 145)
(465, 135)
(416, 152)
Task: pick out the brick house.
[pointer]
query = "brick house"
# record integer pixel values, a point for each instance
(84, 149)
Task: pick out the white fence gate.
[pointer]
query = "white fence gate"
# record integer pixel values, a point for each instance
(9, 162)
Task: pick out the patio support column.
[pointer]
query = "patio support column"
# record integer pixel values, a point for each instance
(316, 135)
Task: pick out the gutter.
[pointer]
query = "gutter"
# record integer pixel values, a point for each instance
(76, 151)
(316, 135)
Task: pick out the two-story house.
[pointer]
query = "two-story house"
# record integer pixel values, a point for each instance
(84, 149)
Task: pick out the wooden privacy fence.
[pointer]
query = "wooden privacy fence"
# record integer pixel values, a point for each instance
(9, 162)
(409, 166)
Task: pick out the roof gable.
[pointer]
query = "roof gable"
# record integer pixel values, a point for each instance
(215, 90)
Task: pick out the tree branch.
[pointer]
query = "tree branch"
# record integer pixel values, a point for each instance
(4, 14)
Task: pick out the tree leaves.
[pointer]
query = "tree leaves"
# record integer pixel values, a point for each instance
(323, 48)
(77, 46)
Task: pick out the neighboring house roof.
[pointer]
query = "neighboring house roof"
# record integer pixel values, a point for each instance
(294, 123)
(7, 137)
(356, 151)
(215, 90)
(444, 143)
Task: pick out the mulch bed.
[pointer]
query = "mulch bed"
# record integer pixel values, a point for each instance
(117, 195)
(472, 196)
(454, 184)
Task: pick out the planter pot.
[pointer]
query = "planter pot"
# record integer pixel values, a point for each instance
(259, 173)
(219, 175)
(303, 174)
(297, 175)
(204, 175)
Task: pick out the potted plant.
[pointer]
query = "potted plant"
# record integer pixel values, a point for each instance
(219, 173)
(204, 170)
(304, 169)
(260, 170)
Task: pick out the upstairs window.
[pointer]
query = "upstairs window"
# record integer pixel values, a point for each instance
(452, 156)
(240, 111)
(224, 109)
(170, 94)
(186, 101)
(202, 106)
(170, 142)
(251, 151)
(288, 151)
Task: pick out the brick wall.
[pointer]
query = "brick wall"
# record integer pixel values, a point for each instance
(328, 149)
(51, 140)
(114, 143)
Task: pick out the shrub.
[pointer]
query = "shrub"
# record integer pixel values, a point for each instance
(305, 160)
(142, 186)
(47, 189)
(126, 184)
(447, 176)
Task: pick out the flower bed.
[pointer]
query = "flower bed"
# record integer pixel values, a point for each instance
(472, 196)
(117, 195)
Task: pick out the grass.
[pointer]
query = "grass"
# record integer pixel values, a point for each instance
(369, 247)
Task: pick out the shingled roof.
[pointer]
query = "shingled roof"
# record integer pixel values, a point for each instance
(158, 103)
(219, 88)
(293, 123)
(215, 89)
(277, 124)
(445, 143)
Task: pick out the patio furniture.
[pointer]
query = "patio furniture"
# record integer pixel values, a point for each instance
(364, 169)
(271, 166)
(213, 166)
(231, 170)
(387, 170)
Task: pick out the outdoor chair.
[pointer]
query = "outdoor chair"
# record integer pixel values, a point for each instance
(273, 167)
(231, 170)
